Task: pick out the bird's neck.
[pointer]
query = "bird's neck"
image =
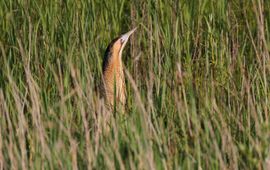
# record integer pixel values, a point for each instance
(118, 66)
(114, 80)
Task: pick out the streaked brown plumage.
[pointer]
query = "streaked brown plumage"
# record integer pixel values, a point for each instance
(113, 88)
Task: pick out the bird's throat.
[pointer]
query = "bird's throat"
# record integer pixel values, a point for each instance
(114, 82)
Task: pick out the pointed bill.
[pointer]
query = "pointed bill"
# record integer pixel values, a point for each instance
(125, 36)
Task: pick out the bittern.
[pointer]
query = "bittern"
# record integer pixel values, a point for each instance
(113, 89)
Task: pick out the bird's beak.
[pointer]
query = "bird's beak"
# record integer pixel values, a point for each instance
(124, 37)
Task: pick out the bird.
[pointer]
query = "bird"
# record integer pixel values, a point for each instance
(113, 87)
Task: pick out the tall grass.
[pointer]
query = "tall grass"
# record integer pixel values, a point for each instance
(197, 75)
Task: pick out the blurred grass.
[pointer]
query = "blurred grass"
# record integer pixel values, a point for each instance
(197, 82)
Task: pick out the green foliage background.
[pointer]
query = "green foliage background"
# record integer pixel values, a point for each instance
(198, 84)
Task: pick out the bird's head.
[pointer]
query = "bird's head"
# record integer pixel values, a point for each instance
(123, 39)
(116, 47)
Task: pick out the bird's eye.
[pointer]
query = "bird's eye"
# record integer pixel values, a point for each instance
(122, 41)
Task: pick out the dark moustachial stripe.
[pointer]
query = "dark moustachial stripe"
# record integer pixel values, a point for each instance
(108, 54)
